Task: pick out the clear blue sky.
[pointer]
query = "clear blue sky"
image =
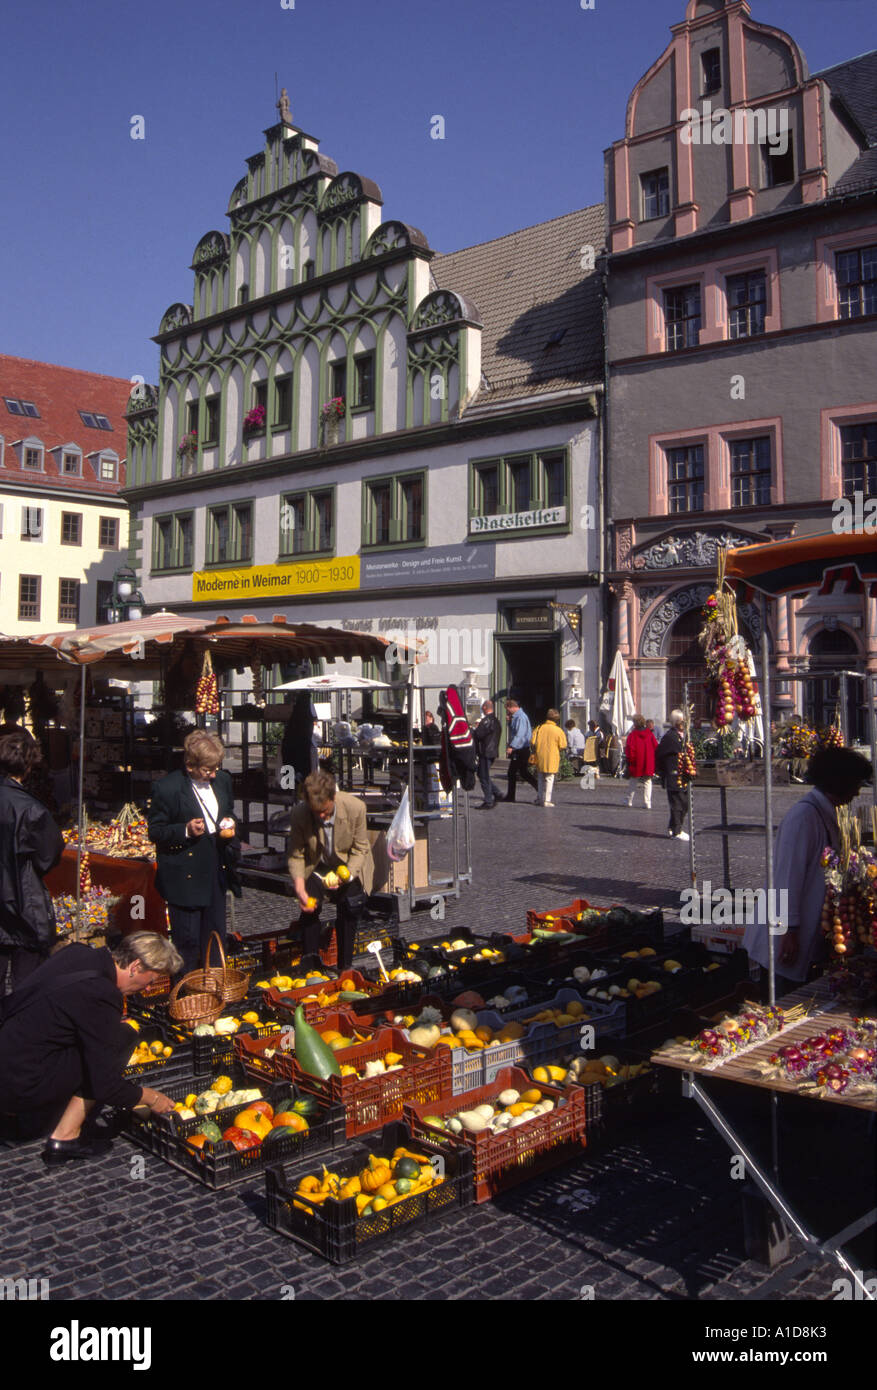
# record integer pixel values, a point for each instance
(99, 229)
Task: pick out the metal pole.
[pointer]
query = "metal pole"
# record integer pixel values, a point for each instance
(412, 897)
(691, 863)
(842, 700)
(872, 727)
(768, 799)
(81, 823)
(726, 853)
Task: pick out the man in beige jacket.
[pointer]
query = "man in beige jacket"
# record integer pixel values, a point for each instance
(327, 833)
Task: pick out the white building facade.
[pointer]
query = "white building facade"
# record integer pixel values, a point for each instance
(351, 429)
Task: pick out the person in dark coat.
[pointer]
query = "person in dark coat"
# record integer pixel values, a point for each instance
(297, 749)
(187, 816)
(64, 1047)
(30, 845)
(486, 735)
(667, 763)
(432, 734)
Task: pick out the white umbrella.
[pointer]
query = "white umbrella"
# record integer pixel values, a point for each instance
(617, 703)
(334, 682)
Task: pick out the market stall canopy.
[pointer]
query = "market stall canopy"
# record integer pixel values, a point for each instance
(810, 562)
(334, 682)
(165, 637)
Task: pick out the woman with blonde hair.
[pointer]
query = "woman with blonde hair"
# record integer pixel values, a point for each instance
(548, 742)
(192, 824)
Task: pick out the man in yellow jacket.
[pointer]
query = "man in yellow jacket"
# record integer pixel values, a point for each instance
(548, 742)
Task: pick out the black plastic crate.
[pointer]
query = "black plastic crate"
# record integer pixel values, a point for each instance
(155, 1030)
(219, 1165)
(332, 1229)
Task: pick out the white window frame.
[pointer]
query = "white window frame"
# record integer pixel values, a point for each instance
(26, 534)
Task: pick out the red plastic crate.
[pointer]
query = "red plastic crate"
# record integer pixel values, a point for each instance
(565, 921)
(504, 1160)
(287, 1001)
(250, 1051)
(373, 1101)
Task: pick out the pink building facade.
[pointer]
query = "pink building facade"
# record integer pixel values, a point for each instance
(741, 345)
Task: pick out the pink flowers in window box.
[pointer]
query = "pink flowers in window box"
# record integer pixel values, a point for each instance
(188, 445)
(333, 409)
(255, 419)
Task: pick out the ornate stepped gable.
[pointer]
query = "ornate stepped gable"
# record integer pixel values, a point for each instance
(309, 276)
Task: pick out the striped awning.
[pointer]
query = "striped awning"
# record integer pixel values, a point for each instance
(809, 562)
(163, 637)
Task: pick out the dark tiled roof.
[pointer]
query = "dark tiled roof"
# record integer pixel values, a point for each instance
(59, 393)
(529, 287)
(861, 175)
(855, 84)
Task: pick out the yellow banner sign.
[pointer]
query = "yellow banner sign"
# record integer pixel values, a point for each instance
(277, 581)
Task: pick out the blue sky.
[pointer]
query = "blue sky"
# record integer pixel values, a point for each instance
(100, 229)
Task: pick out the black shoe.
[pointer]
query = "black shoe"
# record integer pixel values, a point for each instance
(60, 1150)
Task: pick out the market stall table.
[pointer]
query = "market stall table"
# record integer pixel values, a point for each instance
(743, 1068)
(125, 878)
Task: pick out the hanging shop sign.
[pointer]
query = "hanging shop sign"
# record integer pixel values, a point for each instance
(530, 620)
(277, 581)
(518, 521)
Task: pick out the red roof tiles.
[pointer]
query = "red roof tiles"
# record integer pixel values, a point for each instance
(59, 393)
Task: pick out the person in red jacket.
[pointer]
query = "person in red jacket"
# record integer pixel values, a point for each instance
(640, 751)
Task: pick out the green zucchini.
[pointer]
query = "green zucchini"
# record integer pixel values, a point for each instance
(312, 1054)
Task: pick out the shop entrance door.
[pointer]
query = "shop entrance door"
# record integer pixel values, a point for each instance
(528, 671)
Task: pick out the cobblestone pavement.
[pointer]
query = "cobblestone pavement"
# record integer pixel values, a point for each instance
(651, 1213)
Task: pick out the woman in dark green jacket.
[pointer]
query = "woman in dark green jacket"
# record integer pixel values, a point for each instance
(189, 818)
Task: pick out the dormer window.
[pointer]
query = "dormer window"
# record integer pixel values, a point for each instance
(32, 456)
(71, 464)
(711, 64)
(106, 467)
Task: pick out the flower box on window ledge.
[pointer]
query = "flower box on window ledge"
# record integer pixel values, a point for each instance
(187, 451)
(331, 416)
(254, 422)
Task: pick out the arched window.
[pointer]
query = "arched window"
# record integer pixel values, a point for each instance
(685, 663)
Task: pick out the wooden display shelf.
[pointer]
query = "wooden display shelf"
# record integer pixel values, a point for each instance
(742, 1068)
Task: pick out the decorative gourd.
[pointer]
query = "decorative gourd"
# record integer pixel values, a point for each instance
(373, 1178)
(427, 1035)
(463, 1019)
(508, 1097)
(312, 1054)
(211, 1131)
(407, 1168)
(471, 1122)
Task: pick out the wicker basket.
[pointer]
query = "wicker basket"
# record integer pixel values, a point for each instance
(232, 984)
(192, 1009)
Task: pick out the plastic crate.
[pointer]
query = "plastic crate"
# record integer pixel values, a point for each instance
(249, 1052)
(504, 1160)
(153, 1030)
(650, 923)
(702, 978)
(286, 1003)
(372, 1101)
(333, 1230)
(210, 1054)
(220, 1164)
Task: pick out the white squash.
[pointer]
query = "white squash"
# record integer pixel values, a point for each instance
(485, 1110)
(375, 1068)
(454, 1125)
(472, 1122)
(427, 1035)
(508, 1097)
(461, 1019)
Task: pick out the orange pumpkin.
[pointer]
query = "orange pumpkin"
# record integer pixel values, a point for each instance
(291, 1119)
(197, 1141)
(373, 1178)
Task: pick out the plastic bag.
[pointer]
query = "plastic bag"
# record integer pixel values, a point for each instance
(400, 836)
